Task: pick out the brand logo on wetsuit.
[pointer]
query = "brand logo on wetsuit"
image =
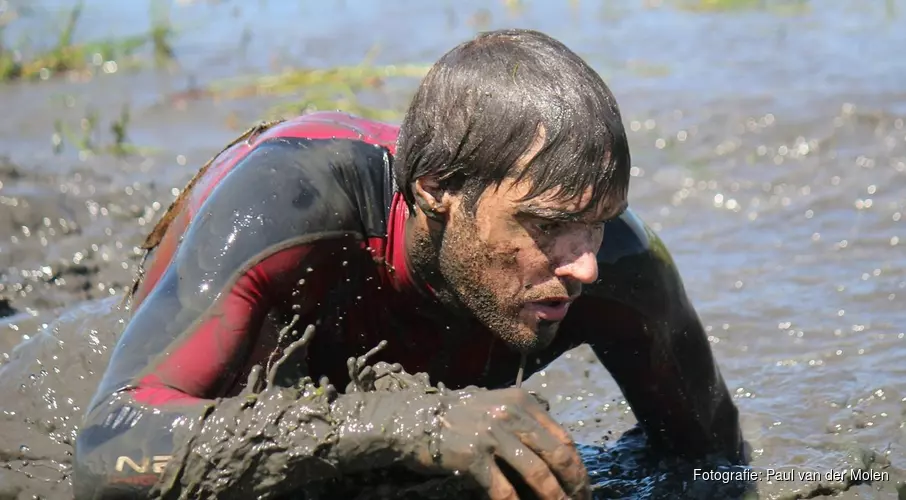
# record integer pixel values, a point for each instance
(156, 464)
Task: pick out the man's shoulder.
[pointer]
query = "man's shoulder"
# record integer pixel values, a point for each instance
(321, 184)
(330, 163)
(625, 236)
(636, 268)
(325, 125)
(629, 239)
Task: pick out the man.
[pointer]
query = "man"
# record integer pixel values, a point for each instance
(492, 225)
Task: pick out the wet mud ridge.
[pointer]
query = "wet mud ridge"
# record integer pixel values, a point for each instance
(266, 430)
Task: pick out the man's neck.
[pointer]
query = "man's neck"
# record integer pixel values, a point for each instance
(418, 259)
(421, 251)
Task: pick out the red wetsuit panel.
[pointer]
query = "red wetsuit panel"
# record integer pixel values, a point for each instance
(196, 364)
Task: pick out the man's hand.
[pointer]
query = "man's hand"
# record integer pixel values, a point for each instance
(486, 432)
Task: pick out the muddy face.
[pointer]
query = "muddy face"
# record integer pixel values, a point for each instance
(515, 265)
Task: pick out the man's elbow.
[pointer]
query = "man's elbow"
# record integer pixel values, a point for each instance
(103, 466)
(696, 438)
(89, 480)
(108, 473)
(727, 434)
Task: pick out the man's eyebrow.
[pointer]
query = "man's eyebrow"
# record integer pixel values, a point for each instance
(559, 214)
(548, 213)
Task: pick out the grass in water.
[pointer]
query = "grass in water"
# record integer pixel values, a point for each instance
(320, 89)
(67, 56)
(85, 139)
(780, 6)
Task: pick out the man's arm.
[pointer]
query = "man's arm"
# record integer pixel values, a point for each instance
(152, 389)
(259, 234)
(641, 325)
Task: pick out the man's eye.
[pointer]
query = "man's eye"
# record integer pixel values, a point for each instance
(548, 227)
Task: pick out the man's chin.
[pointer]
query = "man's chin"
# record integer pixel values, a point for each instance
(546, 332)
(531, 340)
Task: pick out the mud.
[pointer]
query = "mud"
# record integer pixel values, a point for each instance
(46, 383)
(276, 440)
(309, 439)
(770, 154)
(238, 448)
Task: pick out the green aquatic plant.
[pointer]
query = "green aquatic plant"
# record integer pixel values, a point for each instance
(86, 137)
(69, 56)
(161, 33)
(721, 5)
(118, 129)
(311, 89)
(779, 6)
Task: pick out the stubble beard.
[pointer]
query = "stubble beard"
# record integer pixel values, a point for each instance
(453, 262)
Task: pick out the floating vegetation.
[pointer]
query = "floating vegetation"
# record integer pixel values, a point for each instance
(777, 6)
(67, 56)
(321, 89)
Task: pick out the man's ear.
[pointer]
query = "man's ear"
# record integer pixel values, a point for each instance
(429, 197)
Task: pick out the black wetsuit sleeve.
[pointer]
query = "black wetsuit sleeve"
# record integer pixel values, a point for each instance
(640, 323)
(278, 214)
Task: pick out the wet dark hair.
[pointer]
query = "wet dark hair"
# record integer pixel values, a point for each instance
(482, 106)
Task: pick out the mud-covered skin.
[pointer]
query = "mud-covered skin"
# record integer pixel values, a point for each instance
(295, 227)
(286, 444)
(290, 443)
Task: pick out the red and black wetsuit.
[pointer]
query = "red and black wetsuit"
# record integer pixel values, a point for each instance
(313, 199)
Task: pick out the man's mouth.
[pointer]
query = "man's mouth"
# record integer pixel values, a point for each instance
(551, 308)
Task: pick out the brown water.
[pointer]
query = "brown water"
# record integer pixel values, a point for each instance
(770, 153)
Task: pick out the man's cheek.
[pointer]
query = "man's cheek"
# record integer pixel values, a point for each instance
(504, 256)
(501, 281)
(533, 266)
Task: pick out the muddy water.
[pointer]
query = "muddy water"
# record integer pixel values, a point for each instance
(770, 153)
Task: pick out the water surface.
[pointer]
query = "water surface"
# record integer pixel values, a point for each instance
(769, 151)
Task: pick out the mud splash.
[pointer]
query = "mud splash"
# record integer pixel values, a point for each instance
(265, 444)
(307, 439)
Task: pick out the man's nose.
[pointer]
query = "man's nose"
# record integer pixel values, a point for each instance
(582, 268)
